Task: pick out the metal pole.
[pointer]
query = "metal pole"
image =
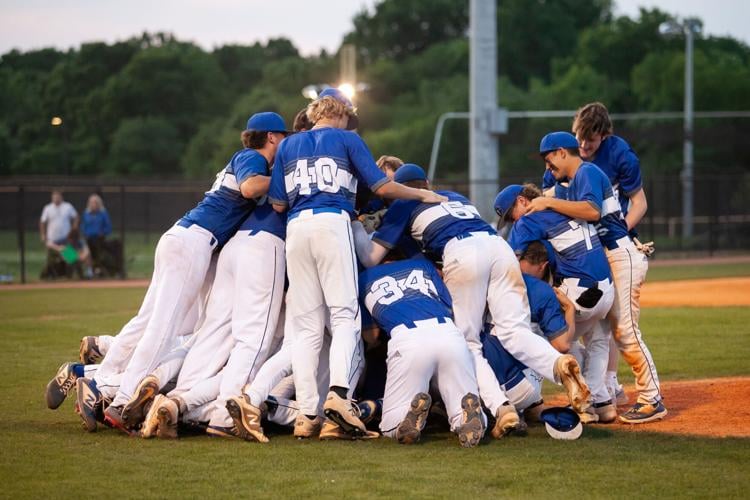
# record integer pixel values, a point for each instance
(22, 232)
(438, 135)
(122, 230)
(483, 147)
(687, 173)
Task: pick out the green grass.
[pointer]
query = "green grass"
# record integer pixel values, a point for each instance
(46, 454)
(723, 270)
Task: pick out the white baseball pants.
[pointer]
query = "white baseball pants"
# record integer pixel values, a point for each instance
(322, 270)
(629, 268)
(416, 355)
(526, 392)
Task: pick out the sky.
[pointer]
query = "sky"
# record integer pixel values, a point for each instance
(311, 25)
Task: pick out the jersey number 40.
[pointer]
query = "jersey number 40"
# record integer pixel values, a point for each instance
(323, 174)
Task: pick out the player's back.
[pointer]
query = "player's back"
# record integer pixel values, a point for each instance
(403, 292)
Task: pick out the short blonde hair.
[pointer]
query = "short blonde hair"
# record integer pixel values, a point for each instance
(327, 107)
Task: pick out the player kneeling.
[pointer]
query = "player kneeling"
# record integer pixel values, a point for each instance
(409, 301)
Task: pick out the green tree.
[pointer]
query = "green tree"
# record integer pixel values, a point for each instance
(145, 146)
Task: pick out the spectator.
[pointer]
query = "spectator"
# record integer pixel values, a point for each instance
(58, 218)
(96, 225)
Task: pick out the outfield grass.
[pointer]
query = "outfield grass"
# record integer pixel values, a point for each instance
(46, 454)
(723, 270)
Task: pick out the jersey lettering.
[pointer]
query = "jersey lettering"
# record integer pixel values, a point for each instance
(322, 175)
(585, 230)
(459, 210)
(388, 290)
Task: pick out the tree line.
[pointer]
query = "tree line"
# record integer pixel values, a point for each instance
(154, 105)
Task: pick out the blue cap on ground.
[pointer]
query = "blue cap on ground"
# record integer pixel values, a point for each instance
(409, 172)
(556, 140)
(561, 423)
(267, 121)
(341, 97)
(505, 200)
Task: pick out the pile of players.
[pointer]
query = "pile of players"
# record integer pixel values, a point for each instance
(272, 301)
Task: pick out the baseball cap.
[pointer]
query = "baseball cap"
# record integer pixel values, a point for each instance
(561, 423)
(267, 121)
(556, 140)
(409, 172)
(505, 200)
(341, 97)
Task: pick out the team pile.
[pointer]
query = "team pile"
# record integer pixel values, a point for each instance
(273, 300)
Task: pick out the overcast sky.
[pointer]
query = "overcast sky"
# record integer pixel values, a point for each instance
(311, 25)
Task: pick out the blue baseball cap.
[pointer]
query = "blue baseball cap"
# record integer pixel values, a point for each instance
(409, 172)
(341, 97)
(505, 200)
(556, 140)
(267, 122)
(561, 423)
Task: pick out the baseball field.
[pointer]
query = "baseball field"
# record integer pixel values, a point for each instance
(700, 342)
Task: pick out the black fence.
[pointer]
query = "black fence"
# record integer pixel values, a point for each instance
(142, 210)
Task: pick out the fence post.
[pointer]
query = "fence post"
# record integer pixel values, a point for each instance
(122, 231)
(651, 235)
(21, 232)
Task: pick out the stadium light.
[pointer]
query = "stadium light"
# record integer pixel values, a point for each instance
(689, 28)
(310, 92)
(56, 121)
(348, 90)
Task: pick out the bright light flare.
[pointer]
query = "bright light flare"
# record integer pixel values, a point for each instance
(56, 121)
(348, 90)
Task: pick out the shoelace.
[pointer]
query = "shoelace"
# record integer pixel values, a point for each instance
(65, 386)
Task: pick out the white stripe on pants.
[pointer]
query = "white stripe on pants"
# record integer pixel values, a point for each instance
(322, 271)
(629, 267)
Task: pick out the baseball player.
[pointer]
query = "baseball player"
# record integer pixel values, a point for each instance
(184, 253)
(409, 301)
(315, 179)
(480, 271)
(590, 197)
(581, 269)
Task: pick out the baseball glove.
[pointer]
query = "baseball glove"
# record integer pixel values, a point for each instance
(372, 221)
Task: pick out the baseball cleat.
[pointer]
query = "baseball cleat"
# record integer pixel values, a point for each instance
(344, 413)
(369, 410)
(606, 411)
(151, 422)
(304, 427)
(246, 419)
(533, 412)
(331, 431)
(568, 372)
(167, 415)
(89, 352)
(222, 432)
(589, 416)
(59, 387)
(113, 418)
(472, 427)
(410, 428)
(135, 410)
(88, 401)
(523, 427)
(506, 421)
(641, 413)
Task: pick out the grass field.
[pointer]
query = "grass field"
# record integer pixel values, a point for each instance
(46, 454)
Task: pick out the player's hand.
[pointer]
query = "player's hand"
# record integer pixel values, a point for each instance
(432, 197)
(565, 303)
(538, 204)
(646, 249)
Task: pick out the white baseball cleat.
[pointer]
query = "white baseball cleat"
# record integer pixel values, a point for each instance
(247, 419)
(305, 427)
(167, 415)
(568, 373)
(151, 422)
(506, 421)
(344, 413)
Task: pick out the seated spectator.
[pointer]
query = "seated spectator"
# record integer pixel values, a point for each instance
(96, 226)
(58, 218)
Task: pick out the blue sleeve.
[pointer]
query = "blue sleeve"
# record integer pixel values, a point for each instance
(628, 169)
(587, 188)
(277, 188)
(248, 165)
(107, 223)
(548, 180)
(363, 162)
(524, 232)
(367, 320)
(551, 319)
(394, 223)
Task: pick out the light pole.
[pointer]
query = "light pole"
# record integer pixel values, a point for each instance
(689, 28)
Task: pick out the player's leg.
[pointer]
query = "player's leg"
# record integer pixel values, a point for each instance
(465, 270)
(595, 336)
(629, 269)
(184, 256)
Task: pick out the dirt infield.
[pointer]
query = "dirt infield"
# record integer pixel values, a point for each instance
(709, 407)
(716, 292)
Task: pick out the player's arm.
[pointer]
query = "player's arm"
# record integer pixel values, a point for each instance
(255, 186)
(637, 209)
(370, 253)
(394, 190)
(585, 210)
(43, 231)
(277, 188)
(371, 334)
(563, 342)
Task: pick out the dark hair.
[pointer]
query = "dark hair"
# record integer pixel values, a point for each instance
(593, 118)
(530, 191)
(417, 184)
(535, 253)
(254, 139)
(302, 122)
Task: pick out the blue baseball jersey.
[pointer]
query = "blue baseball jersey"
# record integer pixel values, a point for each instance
(223, 208)
(265, 218)
(320, 169)
(578, 253)
(402, 292)
(547, 319)
(591, 184)
(432, 225)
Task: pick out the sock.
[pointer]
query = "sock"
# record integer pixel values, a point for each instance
(340, 391)
(78, 370)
